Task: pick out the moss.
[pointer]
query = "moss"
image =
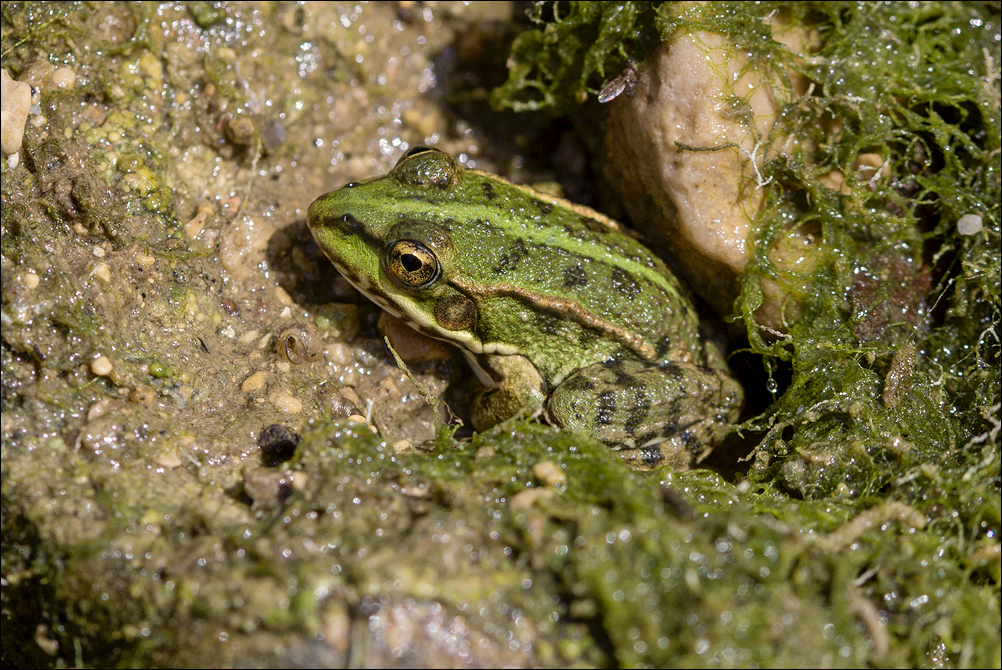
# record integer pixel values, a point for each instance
(555, 65)
(923, 107)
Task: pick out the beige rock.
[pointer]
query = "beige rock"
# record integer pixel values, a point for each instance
(15, 101)
(102, 366)
(168, 458)
(550, 473)
(64, 77)
(30, 279)
(697, 205)
(970, 224)
(523, 500)
(196, 224)
(253, 383)
(286, 402)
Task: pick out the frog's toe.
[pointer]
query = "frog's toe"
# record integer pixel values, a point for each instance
(521, 389)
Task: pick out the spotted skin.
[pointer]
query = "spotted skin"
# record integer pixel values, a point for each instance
(614, 401)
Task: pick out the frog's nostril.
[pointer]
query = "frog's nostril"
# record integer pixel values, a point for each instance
(350, 222)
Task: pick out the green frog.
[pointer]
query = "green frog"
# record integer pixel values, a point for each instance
(555, 307)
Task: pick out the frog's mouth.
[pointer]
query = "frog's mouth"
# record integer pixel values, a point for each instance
(467, 351)
(363, 286)
(468, 343)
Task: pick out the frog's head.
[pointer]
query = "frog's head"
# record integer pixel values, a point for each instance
(389, 238)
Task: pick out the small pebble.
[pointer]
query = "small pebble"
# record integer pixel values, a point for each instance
(144, 259)
(266, 486)
(43, 638)
(401, 446)
(299, 480)
(286, 402)
(240, 130)
(64, 77)
(338, 353)
(278, 444)
(969, 224)
(38, 74)
(30, 280)
(144, 395)
(99, 409)
(103, 272)
(339, 405)
(101, 366)
(253, 383)
(249, 337)
(194, 226)
(169, 459)
(357, 418)
(527, 498)
(549, 472)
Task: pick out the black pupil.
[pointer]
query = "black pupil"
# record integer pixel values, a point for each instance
(411, 262)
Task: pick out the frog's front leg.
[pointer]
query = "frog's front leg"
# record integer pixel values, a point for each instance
(513, 384)
(667, 414)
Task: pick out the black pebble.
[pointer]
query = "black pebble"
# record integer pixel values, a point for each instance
(278, 444)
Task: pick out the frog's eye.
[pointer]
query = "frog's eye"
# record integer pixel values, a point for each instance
(412, 264)
(425, 166)
(415, 151)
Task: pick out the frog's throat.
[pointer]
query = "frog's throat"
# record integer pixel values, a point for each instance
(478, 370)
(561, 307)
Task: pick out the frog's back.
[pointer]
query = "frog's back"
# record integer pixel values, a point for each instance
(592, 291)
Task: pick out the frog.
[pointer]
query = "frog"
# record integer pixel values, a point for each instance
(560, 312)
